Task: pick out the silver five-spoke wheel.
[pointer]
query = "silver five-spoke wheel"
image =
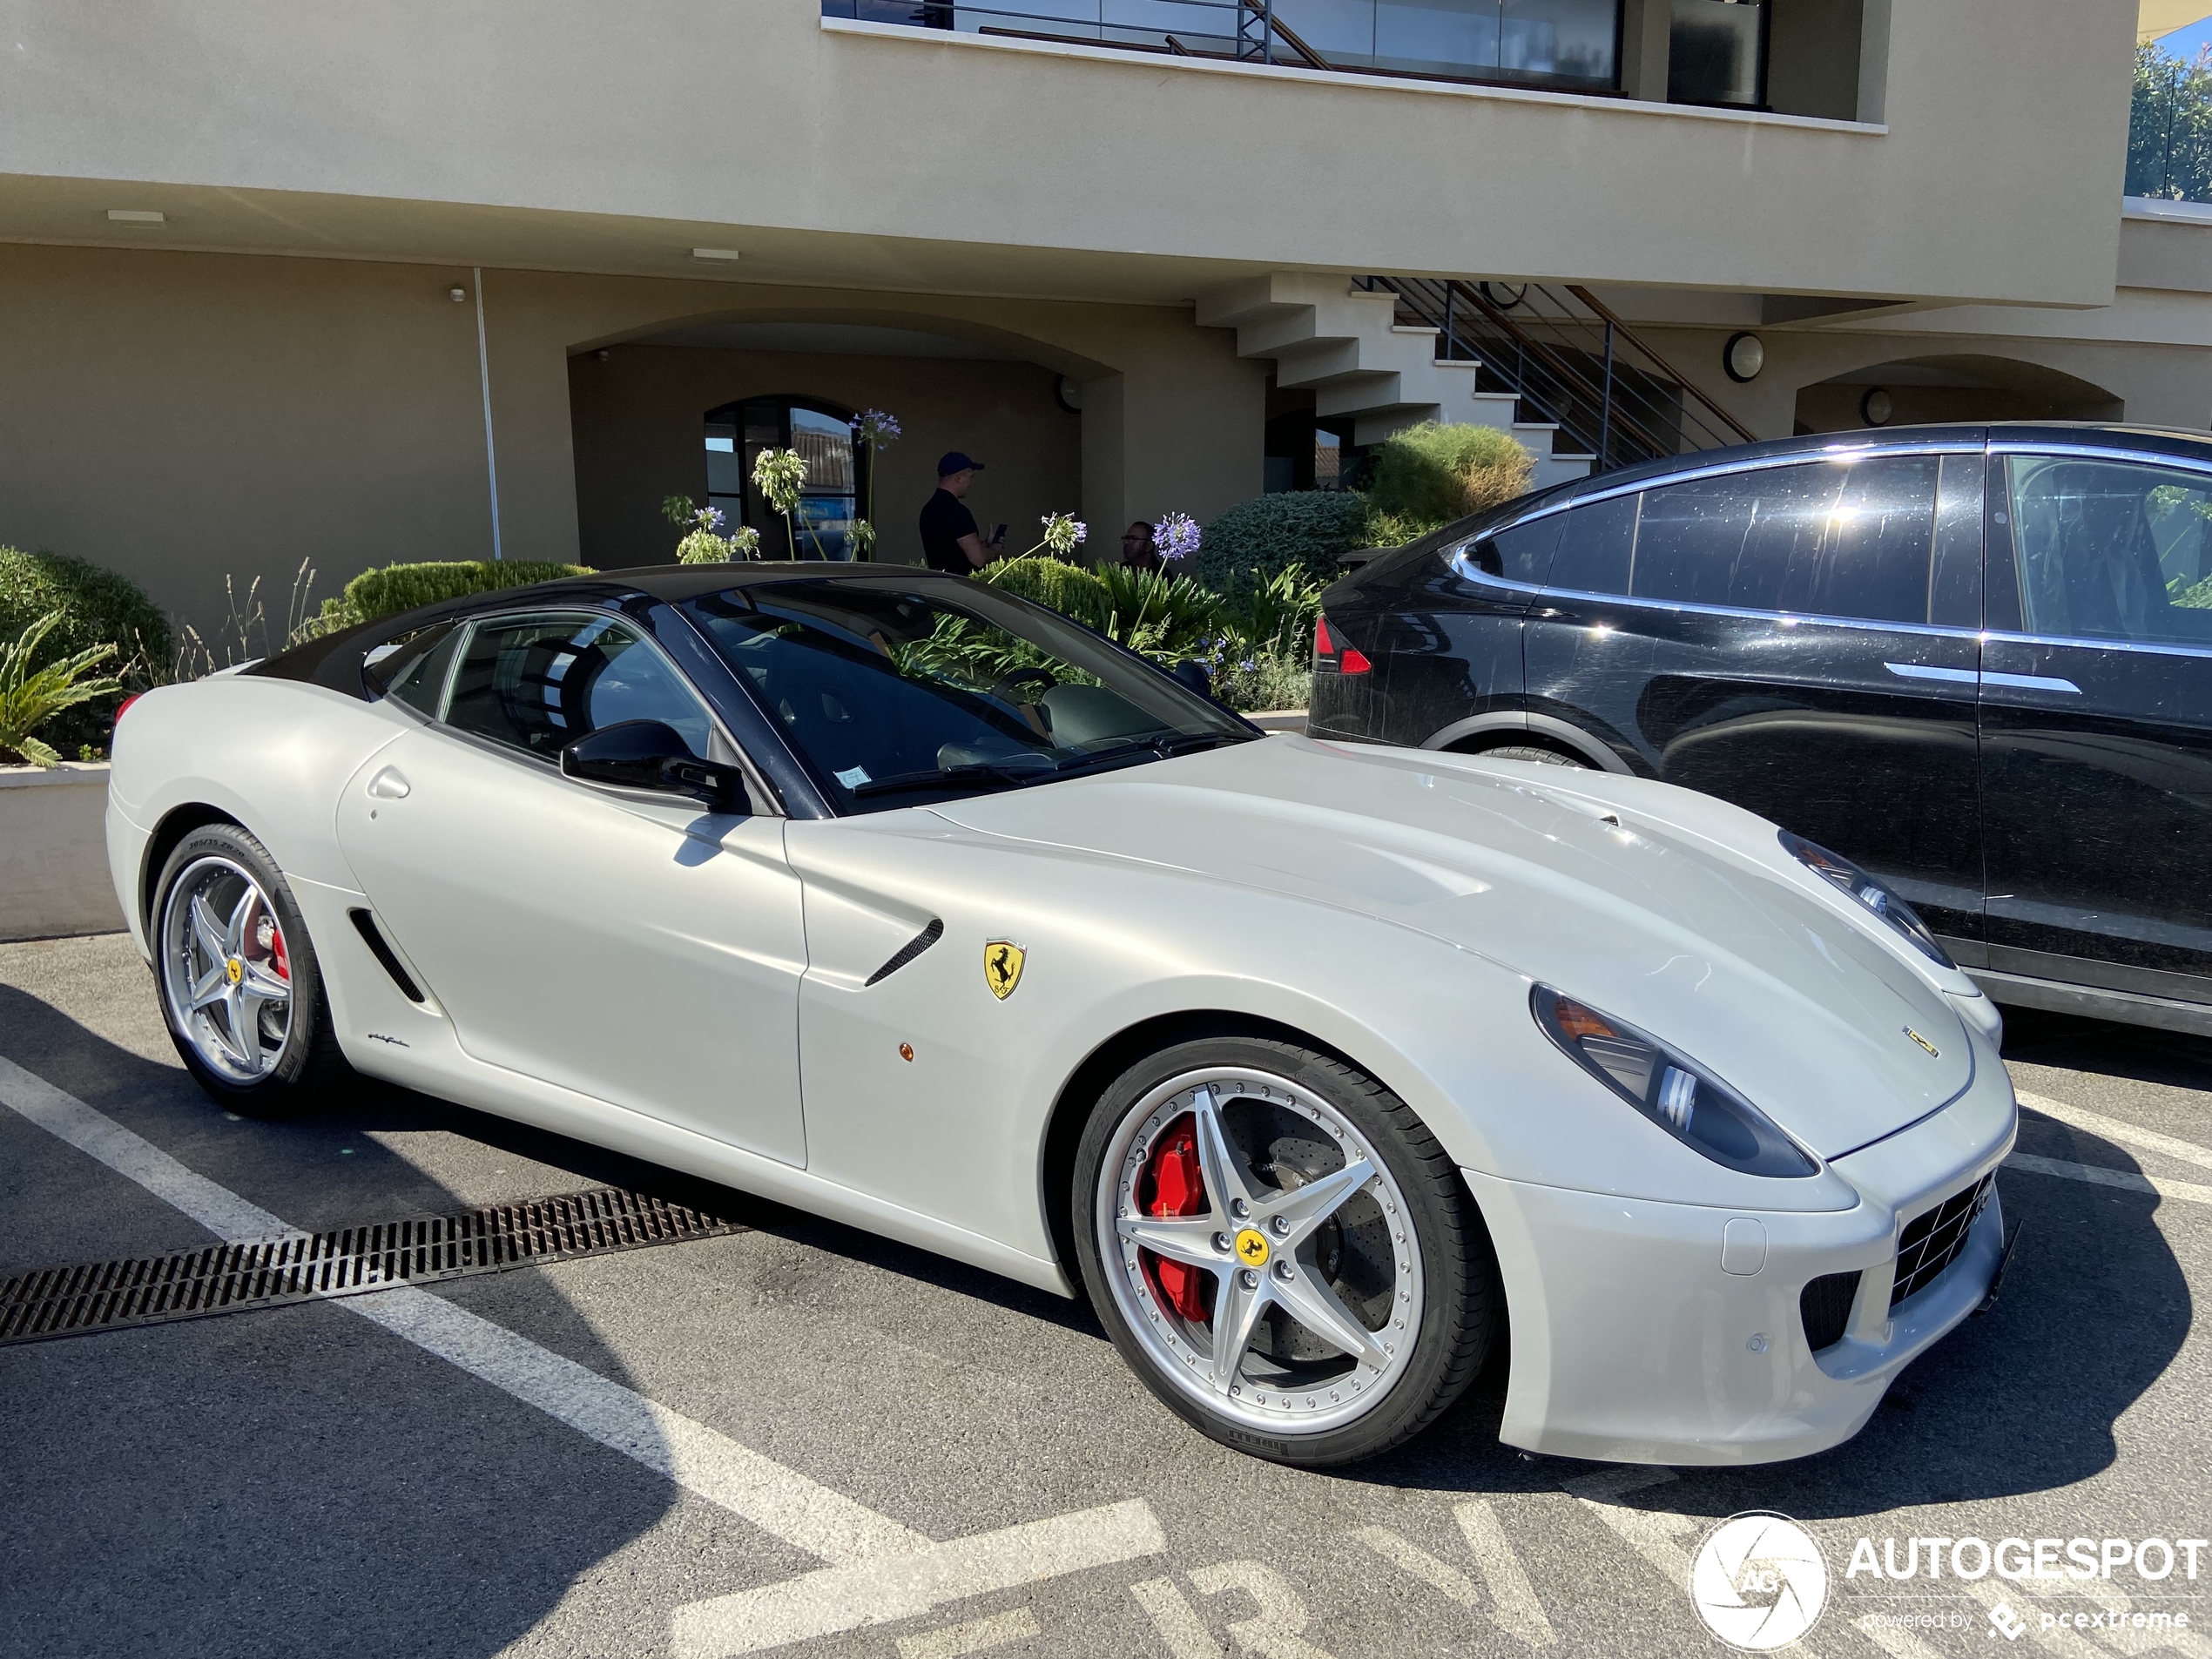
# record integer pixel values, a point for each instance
(1260, 1249)
(224, 971)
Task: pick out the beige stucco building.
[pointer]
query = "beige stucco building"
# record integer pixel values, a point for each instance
(363, 284)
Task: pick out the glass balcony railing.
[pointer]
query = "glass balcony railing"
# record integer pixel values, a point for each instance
(1571, 44)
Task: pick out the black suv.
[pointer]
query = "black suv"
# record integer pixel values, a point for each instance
(1976, 660)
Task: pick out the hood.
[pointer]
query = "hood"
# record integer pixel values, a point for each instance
(1762, 982)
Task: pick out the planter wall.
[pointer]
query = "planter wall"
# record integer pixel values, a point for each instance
(53, 853)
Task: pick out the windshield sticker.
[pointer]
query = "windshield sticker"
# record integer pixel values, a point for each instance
(853, 778)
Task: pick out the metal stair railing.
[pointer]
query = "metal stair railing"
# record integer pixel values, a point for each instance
(1573, 362)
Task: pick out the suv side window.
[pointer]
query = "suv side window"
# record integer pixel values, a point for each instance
(2111, 550)
(1822, 538)
(1596, 543)
(536, 684)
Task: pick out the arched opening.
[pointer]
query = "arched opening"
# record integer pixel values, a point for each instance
(683, 408)
(820, 527)
(1966, 390)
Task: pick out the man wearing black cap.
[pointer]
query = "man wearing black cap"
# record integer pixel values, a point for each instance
(949, 538)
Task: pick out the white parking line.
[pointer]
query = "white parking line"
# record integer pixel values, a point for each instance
(2114, 1128)
(2125, 1179)
(838, 1598)
(882, 1570)
(778, 1500)
(1513, 1607)
(977, 1636)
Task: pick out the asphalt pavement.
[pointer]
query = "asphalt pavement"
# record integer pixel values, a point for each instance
(804, 1439)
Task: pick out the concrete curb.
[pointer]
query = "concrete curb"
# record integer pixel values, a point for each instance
(53, 853)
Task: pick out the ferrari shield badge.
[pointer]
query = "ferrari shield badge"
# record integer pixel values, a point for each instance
(1003, 960)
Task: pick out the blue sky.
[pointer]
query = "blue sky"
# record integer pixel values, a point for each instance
(2185, 43)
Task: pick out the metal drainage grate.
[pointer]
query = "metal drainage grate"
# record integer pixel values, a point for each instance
(300, 1267)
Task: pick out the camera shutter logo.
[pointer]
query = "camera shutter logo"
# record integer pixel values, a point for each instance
(1759, 1582)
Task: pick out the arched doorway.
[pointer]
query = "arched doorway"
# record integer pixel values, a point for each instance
(1966, 389)
(822, 525)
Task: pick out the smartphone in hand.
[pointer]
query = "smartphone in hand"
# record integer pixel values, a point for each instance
(998, 536)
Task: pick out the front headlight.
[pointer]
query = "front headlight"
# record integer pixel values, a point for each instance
(1870, 890)
(1697, 1109)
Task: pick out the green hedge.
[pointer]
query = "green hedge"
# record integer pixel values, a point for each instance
(404, 587)
(1256, 540)
(1071, 590)
(97, 607)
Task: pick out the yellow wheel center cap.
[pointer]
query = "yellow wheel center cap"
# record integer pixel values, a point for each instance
(235, 969)
(1251, 1247)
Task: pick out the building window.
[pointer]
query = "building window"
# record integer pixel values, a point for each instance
(1716, 53)
(821, 525)
(1568, 43)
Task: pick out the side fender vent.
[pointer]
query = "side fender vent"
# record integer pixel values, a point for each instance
(908, 951)
(365, 924)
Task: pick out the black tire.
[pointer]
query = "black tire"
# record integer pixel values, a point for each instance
(1535, 754)
(1457, 1273)
(307, 1066)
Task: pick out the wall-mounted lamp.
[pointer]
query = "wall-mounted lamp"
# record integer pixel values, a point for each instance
(1744, 357)
(459, 296)
(601, 353)
(1876, 407)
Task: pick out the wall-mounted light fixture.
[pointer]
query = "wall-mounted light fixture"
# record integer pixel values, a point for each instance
(1876, 407)
(717, 255)
(1744, 357)
(136, 216)
(459, 296)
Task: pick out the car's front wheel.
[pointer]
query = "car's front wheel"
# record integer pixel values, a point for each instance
(241, 991)
(1281, 1249)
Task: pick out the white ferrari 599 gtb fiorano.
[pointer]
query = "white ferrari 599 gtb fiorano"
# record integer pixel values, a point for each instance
(893, 897)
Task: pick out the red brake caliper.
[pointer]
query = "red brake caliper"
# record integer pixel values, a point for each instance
(1176, 1189)
(267, 934)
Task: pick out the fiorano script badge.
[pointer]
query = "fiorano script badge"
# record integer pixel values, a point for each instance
(1003, 960)
(1924, 1043)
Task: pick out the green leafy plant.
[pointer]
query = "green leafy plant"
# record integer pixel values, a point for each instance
(1069, 589)
(1169, 618)
(780, 476)
(403, 587)
(29, 696)
(1267, 681)
(1424, 478)
(1256, 540)
(97, 607)
(704, 543)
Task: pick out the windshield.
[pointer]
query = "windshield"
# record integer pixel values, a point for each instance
(895, 696)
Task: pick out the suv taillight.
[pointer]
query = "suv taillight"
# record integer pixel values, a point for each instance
(1348, 661)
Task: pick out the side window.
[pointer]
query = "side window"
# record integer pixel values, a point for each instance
(415, 669)
(1522, 554)
(2111, 550)
(538, 683)
(1823, 539)
(1594, 545)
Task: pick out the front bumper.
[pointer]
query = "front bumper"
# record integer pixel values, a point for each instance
(1632, 1343)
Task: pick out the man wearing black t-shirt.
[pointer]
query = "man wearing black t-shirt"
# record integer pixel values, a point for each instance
(949, 538)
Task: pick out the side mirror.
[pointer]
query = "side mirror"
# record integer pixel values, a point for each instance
(650, 754)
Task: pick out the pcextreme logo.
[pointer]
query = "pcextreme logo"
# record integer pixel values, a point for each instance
(1759, 1582)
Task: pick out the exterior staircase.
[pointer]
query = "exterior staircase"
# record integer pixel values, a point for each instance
(1347, 346)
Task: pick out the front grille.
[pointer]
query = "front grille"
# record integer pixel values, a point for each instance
(1930, 1240)
(1824, 1306)
(87, 1296)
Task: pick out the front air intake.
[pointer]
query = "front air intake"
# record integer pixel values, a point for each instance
(1826, 1305)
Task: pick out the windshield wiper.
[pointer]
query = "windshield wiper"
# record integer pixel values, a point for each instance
(951, 777)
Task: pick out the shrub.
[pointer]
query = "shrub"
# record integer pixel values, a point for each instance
(1071, 590)
(96, 607)
(1257, 540)
(1270, 680)
(1427, 476)
(30, 697)
(403, 587)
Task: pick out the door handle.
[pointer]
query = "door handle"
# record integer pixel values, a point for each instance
(1922, 672)
(388, 785)
(1987, 677)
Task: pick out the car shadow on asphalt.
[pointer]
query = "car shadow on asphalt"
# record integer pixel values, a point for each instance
(289, 1480)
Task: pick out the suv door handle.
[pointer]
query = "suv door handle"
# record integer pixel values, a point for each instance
(388, 785)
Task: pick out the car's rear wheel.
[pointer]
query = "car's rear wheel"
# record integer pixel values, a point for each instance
(241, 991)
(1535, 754)
(1281, 1249)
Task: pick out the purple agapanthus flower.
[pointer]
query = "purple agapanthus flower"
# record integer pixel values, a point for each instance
(876, 428)
(1176, 535)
